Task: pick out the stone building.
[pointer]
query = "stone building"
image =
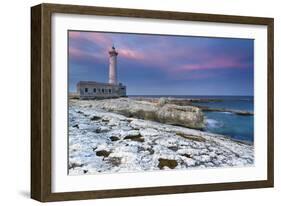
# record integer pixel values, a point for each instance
(99, 90)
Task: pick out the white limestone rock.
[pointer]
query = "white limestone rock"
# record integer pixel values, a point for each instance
(188, 116)
(149, 143)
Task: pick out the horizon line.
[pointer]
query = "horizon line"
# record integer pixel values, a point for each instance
(248, 95)
(185, 95)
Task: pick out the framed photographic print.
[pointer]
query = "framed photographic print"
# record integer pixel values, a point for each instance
(130, 102)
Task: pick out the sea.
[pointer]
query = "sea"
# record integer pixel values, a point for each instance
(237, 127)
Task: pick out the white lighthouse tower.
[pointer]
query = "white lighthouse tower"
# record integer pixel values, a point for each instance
(113, 66)
(101, 90)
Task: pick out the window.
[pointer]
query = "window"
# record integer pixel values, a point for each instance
(86, 90)
(94, 90)
(109, 90)
(102, 90)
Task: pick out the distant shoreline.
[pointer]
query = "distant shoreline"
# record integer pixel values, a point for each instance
(186, 95)
(195, 97)
(172, 95)
(182, 100)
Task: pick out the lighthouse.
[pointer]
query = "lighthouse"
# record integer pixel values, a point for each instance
(102, 90)
(113, 66)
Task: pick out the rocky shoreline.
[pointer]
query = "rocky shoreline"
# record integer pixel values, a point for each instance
(104, 138)
(192, 102)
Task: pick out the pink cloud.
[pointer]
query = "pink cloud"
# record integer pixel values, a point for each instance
(214, 63)
(100, 39)
(197, 76)
(76, 53)
(131, 54)
(105, 42)
(169, 59)
(74, 34)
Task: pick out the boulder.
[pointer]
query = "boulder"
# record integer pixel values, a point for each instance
(187, 116)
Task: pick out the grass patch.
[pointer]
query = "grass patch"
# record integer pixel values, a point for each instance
(115, 161)
(137, 138)
(103, 153)
(167, 162)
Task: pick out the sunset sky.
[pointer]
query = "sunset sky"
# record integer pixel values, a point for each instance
(164, 65)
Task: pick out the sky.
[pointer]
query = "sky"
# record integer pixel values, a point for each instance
(164, 64)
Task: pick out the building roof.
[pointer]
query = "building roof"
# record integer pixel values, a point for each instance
(93, 83)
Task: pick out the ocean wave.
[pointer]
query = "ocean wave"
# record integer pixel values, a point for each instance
(226, 112)
(211, 123)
